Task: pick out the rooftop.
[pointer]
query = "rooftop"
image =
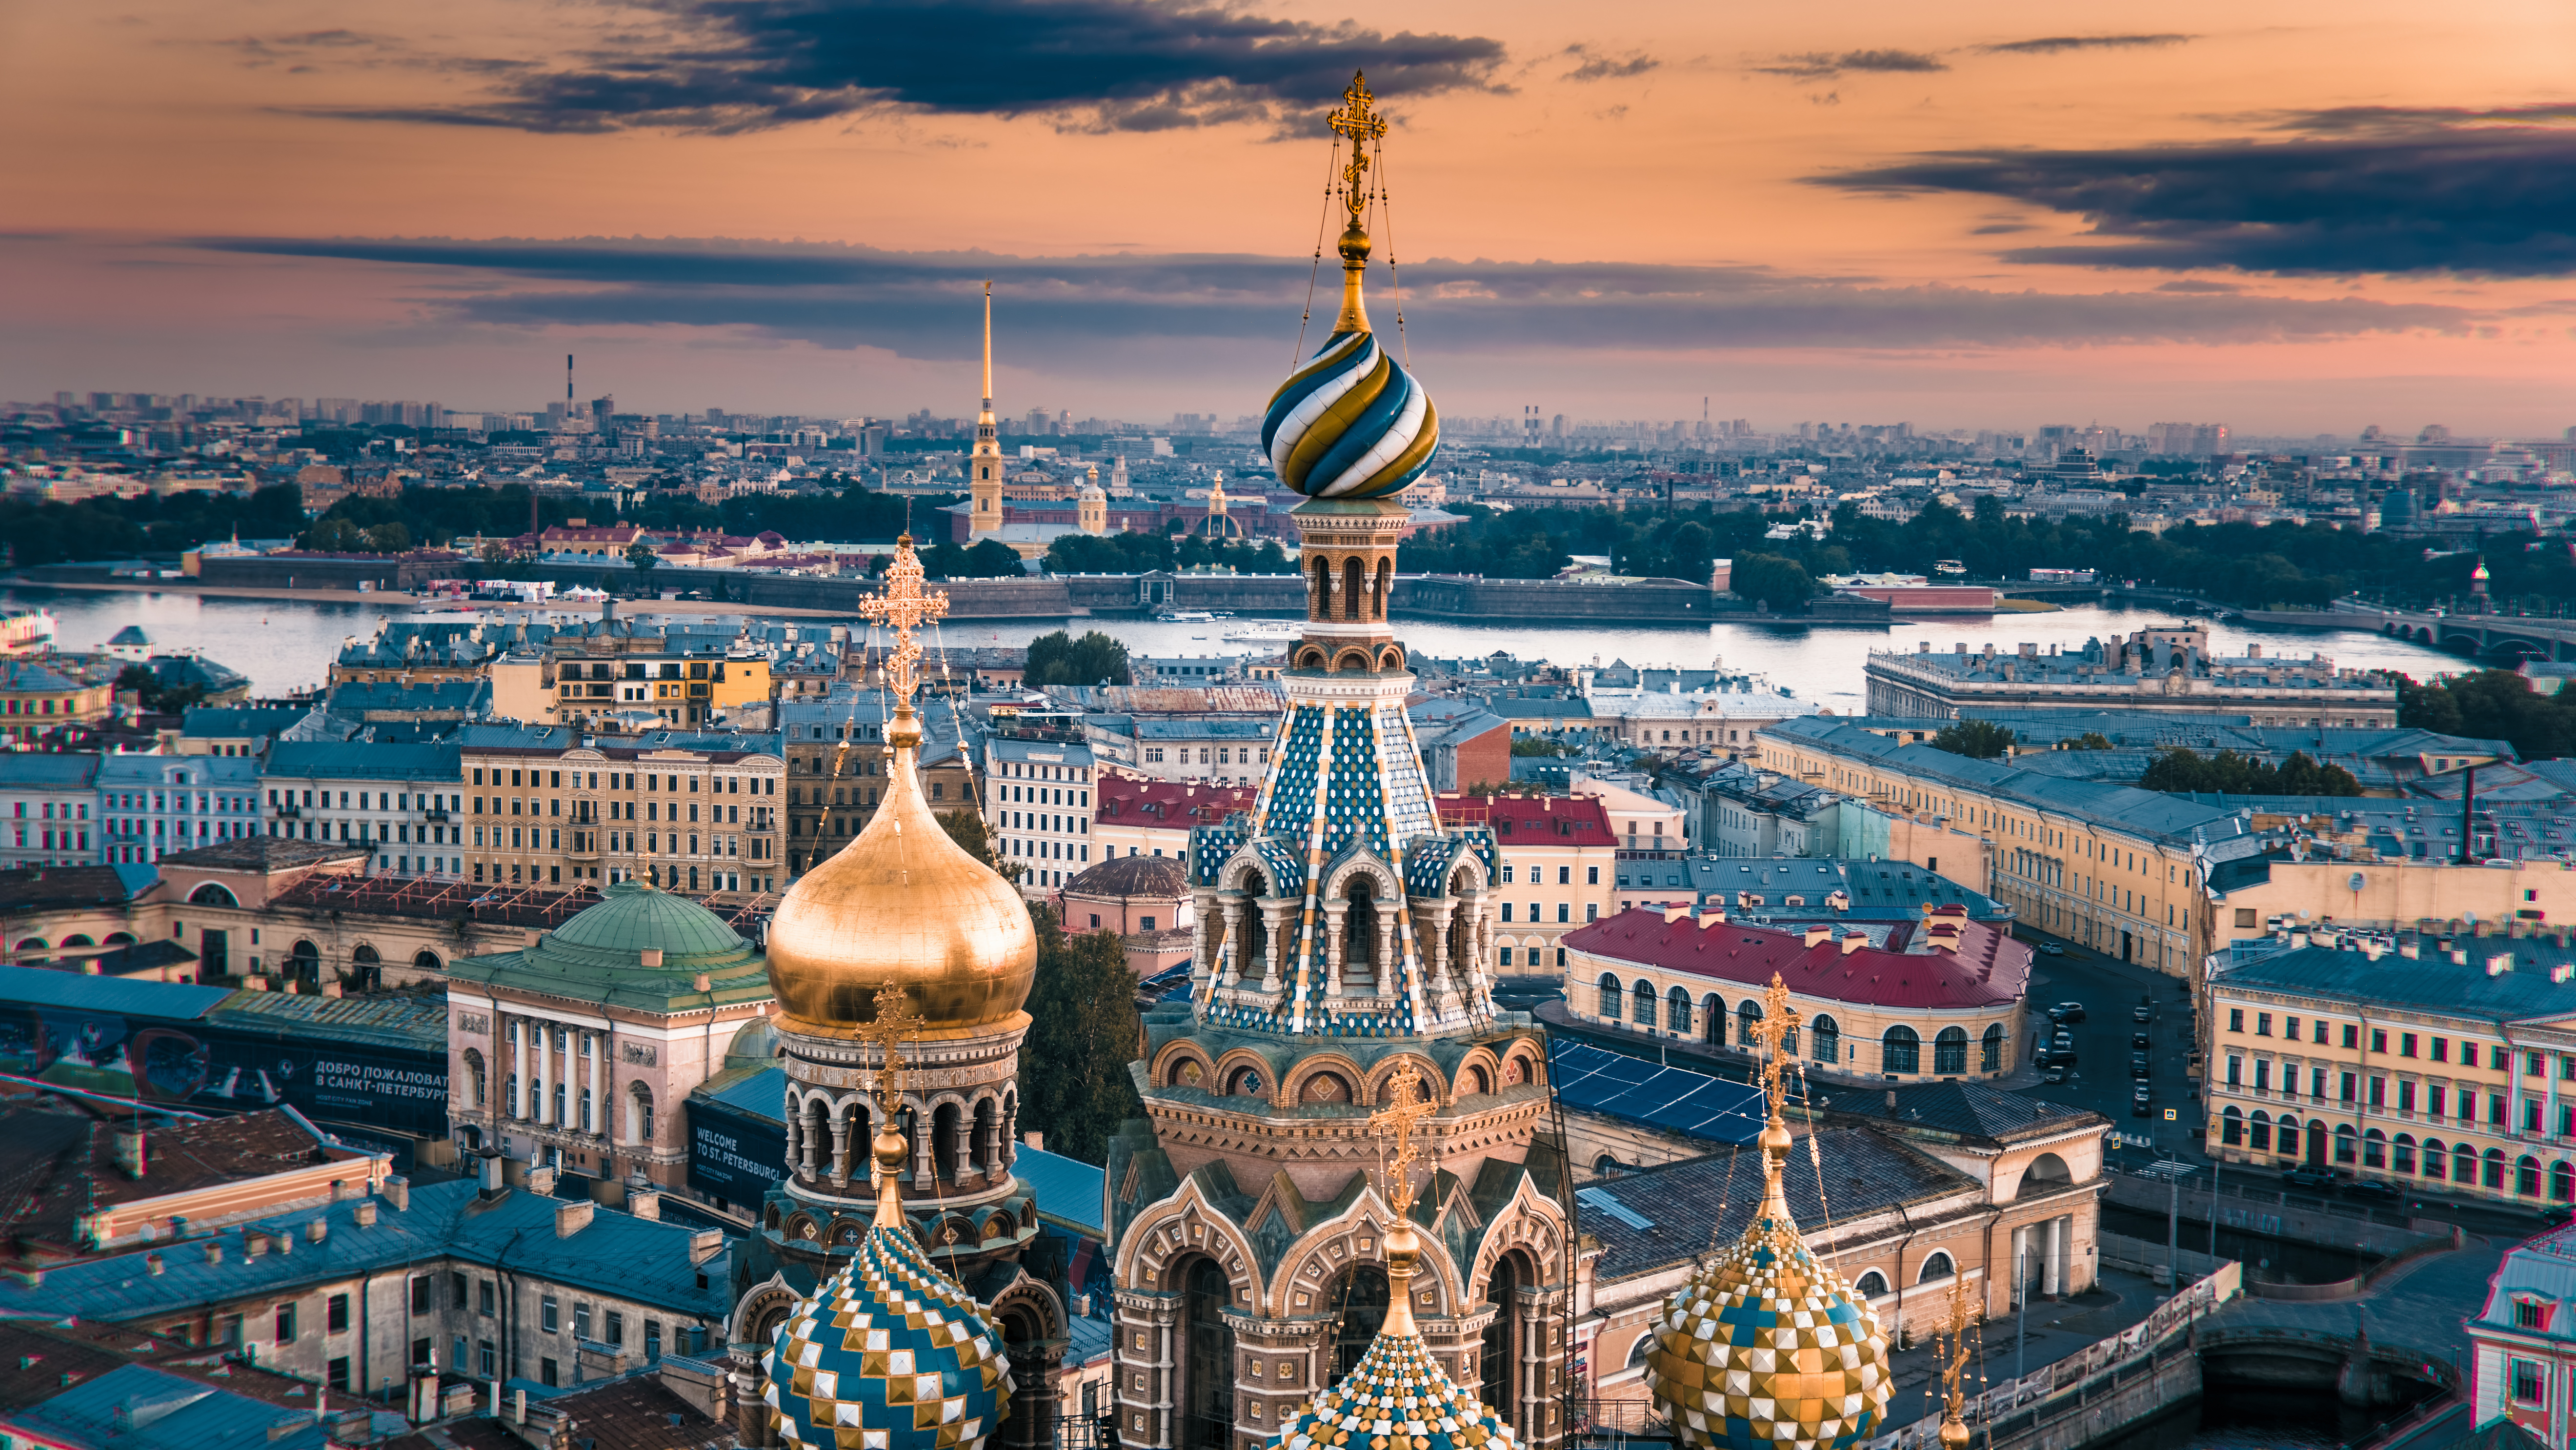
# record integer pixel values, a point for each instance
(1901, 966)
(58, 1160)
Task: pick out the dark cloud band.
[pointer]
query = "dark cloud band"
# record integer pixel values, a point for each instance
(2375, 191)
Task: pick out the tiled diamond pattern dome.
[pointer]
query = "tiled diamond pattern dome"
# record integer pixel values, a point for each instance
(1396, 1398)
(889, 1354)
(1767, 1347)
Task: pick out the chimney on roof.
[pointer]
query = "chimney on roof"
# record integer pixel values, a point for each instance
(131, 1153)
(705, 1244)
(571, 1218)
(645, 1205)
(397, 1193)
(1853, 941)
(317, 1230)
(1891, 1100)
(1676, 913)
(1816, 934)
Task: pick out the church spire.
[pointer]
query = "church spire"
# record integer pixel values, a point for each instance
(1358, 122)
(984, 466)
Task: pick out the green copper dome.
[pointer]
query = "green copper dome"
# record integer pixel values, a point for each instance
(639, 947)
(633, 917)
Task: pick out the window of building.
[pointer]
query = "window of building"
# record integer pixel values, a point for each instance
(2378, 1040)
(336, 1314)
(615, 1329)
(2526, 1381)
(2262, 1024)
(422, 1293)
(286, 1324)
(2530, 1314)
(548, 1375)
(552, 1317)
(2405, 1044)
(487, 1360)
(2235, 1019)
(652, 1340)
(336, 1374)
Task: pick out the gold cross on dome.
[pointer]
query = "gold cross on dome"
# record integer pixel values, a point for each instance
(1397, 1120)
(1779, 1019)
(896, 1023)
(1357, 120)
(906, 606)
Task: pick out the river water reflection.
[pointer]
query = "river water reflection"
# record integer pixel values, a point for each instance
(288, 645)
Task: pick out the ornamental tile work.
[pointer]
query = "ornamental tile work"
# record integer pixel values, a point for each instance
(1396, 1398)
(889, 1354)
(1767, 1347)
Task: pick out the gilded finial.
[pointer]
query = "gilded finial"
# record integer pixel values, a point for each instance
(1952, 1339)
(1779, 1019)
(896, 1023)
(1403, 1244)
(905, 605)
(1357, 121)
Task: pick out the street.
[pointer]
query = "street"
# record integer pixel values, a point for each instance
(2111, 991)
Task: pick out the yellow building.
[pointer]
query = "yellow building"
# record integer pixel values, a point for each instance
(543, 809)
(2444, 1064)
(39, 695)
(1560, 869)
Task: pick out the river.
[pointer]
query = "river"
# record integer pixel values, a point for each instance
(287, 645)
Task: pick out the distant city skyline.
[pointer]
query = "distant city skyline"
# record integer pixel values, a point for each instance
(2313, 220)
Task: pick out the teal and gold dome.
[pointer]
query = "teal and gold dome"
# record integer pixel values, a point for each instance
(1352, 423)
(889, 1354)
(1766, 1346)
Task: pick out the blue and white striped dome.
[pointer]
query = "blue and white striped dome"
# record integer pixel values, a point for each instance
(1352, 423)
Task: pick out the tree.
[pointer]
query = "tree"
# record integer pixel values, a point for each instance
(641, 555)
(965, 826)
(1060, 659)
(1976, 739)
(2492, 705)
(1541, 745)
(1083, 1032)
(157, 699)
(2228, 773)
(2089, 740)
(1779, 583)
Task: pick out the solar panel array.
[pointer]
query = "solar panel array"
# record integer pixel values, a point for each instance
(1592, 1080)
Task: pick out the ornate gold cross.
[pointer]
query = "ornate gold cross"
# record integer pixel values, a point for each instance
(905, 605)
(1356, 120)
(1779, 1019)
(1397, 1119)
(896, 1023)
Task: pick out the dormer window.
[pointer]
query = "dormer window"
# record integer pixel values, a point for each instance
(2530, 1312)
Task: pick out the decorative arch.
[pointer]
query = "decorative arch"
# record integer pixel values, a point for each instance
(1523, 1062)
(1900, 1050)
(1391, 658)
(1247, 874)
(1334, 1064)
(1351, 660)
(1310, 658)
(761, 1311)
(1380, 1092)
(1167, 1067)
(1871, 1285)
(1614, 996)
(427, 960)
(1232, 1067)
(1388, 889)
(1825, 1036)
(1936, 1265)
(2046, 1173)
(213, 893)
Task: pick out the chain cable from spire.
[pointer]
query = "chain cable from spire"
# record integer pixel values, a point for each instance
(1395, 279)
(1323, 217)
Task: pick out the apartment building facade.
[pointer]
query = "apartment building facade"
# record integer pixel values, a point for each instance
(48, 809)
(2439, 1064)
(686, 812)
(1559, 860)
(1038, 807)
(836, 764)
(2167, 670)
(404, 803)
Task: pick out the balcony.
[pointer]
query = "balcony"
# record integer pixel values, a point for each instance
(433, 815)
(289, 812)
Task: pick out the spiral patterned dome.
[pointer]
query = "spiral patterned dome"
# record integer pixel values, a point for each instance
(1767, 1347)
(889, 1354)
(1352, 423)
(1396, 1398)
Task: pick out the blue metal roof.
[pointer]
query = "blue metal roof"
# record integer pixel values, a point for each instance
(1069, 1190)
(1591, 1080)
(352, 760)
(38, 987)
(762, 1095)
(137, 1407)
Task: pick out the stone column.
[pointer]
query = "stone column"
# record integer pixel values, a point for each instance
(1383, 964)
(1334, 912)
(796, 1152)
(2053, 1261)
(841, 1116)
(1231, 952)
(1431, 939)
(1275, 921)
(1035, 1398)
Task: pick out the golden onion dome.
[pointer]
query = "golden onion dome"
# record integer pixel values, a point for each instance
(901, 904)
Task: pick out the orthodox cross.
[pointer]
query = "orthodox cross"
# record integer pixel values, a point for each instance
(906, 606)
(896, 1023)
(1356, 120)
(1779, 1019)
(1397, 1120)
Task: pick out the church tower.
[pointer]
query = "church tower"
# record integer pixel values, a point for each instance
(1342, 941)
(984, 466)
(903, 949)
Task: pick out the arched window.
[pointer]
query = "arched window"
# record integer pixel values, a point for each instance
(2047, 1171)
(1644, 1346)
(1950, 1051)
(2402, 1157)
(639, 1113)
(425, 960)
(2562, 1181)
(474, 1076)
(1828, 1039)
(1611, 992)
(1712, 1016)
(2491, 1168)
(1645, 1003)
(2231, 1127)
(1747, 1012)
(211, 894)
(2288, 1144)
(2437, 1159)
(120, 938)
(1354, 589)
(1678, 1003)
(2260, 1135)
(2374, 1149)
(1872, 1285)
(2345, 1141)
(1990, 1057)
(1936, 1265)
(2526, 1176)
(78, 939)
(1900, 1050)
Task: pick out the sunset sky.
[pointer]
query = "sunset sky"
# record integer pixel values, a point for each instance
(2289, 217)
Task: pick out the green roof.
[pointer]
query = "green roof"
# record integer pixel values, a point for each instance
(598, 956)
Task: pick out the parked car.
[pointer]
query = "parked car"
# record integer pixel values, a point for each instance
(2373, 1188)
(2140, 1041)
(2067, 1012)
(2053, 1074)
(2051, 949)
(2316, 1179)
(2138, 1066)
(2142, 1013)
(2557, 1213)
(2141, 1101)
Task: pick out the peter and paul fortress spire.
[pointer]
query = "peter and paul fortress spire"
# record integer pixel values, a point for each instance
(984, 466)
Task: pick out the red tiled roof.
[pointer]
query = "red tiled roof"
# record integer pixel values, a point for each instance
(1579, 820)
(1167, 802)
(1987, 969)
